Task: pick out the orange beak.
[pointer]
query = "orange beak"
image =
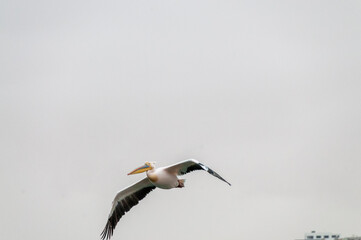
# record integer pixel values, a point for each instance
(141, 169)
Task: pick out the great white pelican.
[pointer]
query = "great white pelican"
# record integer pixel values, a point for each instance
(163, 177)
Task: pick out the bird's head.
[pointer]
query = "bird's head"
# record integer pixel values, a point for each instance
(146, 167)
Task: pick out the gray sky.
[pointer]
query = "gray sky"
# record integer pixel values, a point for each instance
(267, 94)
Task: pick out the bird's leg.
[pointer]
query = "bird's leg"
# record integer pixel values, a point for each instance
(181, 183)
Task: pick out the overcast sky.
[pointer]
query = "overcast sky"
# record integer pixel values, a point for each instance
(268, 94)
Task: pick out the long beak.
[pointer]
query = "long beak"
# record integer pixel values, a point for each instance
(140, 169)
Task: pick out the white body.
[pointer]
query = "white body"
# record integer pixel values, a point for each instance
(162, 179)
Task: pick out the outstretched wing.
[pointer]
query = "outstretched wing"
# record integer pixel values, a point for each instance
(190, 165)
(123, 202)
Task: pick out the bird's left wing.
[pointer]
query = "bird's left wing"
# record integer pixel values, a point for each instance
(189, 165)
(123, 202)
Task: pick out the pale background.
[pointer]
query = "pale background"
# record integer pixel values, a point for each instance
(265, 93)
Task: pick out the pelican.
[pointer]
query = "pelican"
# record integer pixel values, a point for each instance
(163, 177)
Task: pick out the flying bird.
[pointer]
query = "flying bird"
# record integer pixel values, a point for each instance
(163, 177)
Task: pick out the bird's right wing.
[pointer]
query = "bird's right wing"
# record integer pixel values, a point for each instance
(123, 202)
(190, 165)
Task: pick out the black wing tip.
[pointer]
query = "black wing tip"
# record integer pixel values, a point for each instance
(107, 232)
(210, 171)
(226, 181)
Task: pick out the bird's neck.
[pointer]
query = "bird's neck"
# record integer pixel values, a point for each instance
(151, 171)
(152, 176)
